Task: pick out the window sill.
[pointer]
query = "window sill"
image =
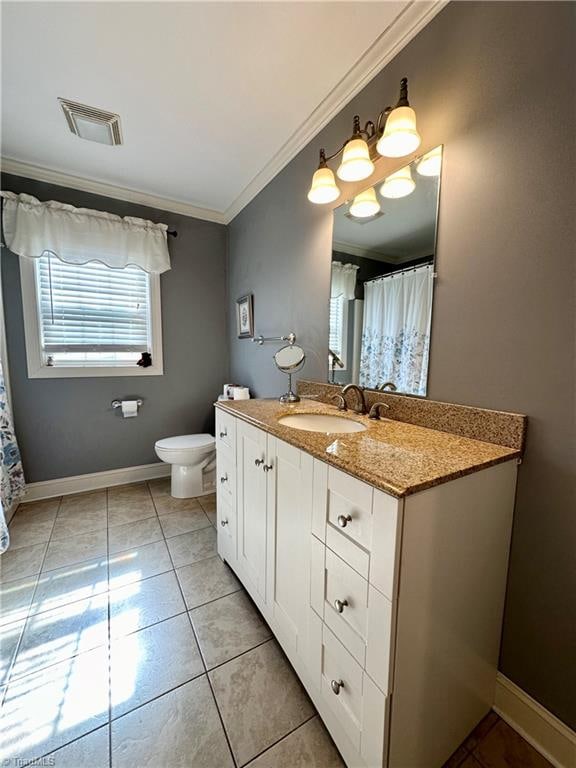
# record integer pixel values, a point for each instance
(92, 372)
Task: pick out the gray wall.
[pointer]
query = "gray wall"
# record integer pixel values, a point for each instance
(66, 426)
(495, 83)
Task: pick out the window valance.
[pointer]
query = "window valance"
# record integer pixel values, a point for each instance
(343, 282)
(79, 235)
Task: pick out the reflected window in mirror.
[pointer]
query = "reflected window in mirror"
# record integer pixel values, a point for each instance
(382, 280)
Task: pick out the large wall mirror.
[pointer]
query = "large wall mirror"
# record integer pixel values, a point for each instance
(383, 262)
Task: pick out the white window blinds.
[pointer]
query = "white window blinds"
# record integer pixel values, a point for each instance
(91, 308)
(336, 325)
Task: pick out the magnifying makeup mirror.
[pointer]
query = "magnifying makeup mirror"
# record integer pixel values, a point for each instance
(290, 359)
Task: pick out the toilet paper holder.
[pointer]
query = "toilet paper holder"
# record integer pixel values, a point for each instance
(118, 403)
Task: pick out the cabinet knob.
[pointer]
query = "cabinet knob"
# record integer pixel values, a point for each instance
(267, 467)
(224, 479)
(343, 520)
(336, 685)
(224, 522)
(340, 605)
(259, 462)
(224, 433)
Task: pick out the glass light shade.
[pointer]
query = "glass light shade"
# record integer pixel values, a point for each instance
(356, 164)
(398, 184)
(365, 204)
(431, 163)
(400, 136)
(323, 189)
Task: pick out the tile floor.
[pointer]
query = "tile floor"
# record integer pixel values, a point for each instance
(126, 642)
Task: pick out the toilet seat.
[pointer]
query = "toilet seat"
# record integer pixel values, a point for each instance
(186, 443)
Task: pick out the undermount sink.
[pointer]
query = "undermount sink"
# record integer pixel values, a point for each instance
(320, 422)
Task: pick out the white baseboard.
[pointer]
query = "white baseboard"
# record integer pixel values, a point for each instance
(80, 483)
(545, 732)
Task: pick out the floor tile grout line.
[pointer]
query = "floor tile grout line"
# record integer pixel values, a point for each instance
(239, 655)
(115, 638)
(214, 599)
(275, 743)
(234, 761)
(134, 631)
(8, 678)
(222, 723)
(96, 647)
(115, 718)
(38, 760)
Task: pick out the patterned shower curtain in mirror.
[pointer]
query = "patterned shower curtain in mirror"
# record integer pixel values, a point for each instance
(11, 472)
(396, 330)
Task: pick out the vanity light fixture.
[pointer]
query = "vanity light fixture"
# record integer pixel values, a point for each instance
(356, 164)
(365, 204)
(324, 188)
(431, 163)
(394, 135)
(398, 184)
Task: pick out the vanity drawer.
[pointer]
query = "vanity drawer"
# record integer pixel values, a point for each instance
(349, 519)
(341, 685)
(364, 625)
(226, 475)
(226, 528)
(225, 430)
(359, 706)
(346, 605)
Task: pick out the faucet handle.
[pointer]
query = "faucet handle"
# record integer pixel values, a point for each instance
(374, 411)
(340, 402)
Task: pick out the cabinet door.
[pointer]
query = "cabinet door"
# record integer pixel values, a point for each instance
(251, 488)
(289, 520)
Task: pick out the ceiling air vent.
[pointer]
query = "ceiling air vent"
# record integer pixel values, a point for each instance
(91, 123)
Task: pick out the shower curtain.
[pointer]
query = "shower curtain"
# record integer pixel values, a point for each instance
(396, 332)
(11, 472)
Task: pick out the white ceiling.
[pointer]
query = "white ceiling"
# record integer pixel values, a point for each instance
(214, 97)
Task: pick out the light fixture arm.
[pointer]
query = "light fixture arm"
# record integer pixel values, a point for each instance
(368, 132)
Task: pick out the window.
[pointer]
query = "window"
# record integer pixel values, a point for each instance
(89, 319)
(338, 332)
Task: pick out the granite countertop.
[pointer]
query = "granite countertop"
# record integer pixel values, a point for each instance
(394, 456)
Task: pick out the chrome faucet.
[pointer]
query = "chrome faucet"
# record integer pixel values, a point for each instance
(387, 385)
(361, 407)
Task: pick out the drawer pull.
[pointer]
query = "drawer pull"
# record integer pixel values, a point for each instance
(224, 479)
(224, 433)
(340, 605)
(267, 467)
(259, 462)
(224, 522)
(343, 520)
(336, 685)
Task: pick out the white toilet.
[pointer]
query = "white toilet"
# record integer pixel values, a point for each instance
(193, 459)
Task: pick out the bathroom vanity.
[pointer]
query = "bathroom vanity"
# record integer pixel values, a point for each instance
(379, 558)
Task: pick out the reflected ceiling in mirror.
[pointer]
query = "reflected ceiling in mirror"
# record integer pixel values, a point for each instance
(383, 256)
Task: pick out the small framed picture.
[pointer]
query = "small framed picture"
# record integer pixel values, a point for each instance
(245, 316)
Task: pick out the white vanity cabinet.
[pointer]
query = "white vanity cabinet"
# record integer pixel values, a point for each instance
(272, 510)
(389, 609)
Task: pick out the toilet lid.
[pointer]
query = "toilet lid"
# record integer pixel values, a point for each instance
(185, 442)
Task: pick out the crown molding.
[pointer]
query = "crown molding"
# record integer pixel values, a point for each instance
(395, 37)
(40, 173)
